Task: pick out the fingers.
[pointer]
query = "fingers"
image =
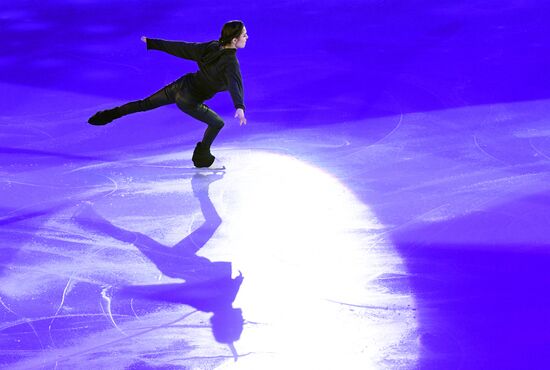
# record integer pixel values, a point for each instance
(241, 118)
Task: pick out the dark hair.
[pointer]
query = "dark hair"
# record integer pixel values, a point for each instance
(231, 30)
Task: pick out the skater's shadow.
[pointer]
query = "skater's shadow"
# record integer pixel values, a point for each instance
(208, 286)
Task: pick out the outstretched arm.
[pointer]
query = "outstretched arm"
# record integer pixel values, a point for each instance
(186, 50)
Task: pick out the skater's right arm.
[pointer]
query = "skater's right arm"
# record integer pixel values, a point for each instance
(186, 50)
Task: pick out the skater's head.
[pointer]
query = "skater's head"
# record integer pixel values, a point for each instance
(233, 35)
(227, 324)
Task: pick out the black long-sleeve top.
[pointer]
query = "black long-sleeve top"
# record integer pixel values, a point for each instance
(218, 68)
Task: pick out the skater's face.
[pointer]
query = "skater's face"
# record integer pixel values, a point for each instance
(241, 41)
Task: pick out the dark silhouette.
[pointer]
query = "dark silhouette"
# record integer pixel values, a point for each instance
(219, 70)
(208, 285)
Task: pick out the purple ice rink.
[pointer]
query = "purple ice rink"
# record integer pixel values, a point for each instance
(387, 206)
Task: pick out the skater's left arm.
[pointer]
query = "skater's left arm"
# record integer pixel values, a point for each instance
(186, 50)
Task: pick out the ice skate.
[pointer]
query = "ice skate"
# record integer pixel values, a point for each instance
(202, 156)
(103, 117)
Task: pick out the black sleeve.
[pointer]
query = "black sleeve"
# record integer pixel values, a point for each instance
(235, 84)
(186, 50)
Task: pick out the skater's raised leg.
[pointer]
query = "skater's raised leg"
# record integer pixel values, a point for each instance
(162, 97)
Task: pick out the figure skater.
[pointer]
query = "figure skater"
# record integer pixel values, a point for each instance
(218, 71)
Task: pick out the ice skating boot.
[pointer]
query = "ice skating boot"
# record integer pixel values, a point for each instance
(104, 117)
(202, 156)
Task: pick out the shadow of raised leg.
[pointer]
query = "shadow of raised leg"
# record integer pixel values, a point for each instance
(208, 286)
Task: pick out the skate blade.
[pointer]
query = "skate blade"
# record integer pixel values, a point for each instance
(213, 168)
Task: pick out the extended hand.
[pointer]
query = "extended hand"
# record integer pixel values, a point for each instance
(144, 39)
(240, 115)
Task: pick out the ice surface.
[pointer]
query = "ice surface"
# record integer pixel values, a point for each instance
(387, 204)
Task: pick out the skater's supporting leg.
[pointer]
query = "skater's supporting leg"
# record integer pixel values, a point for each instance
(211, 132)
(204, 114)
(196, 109)
(201, 155)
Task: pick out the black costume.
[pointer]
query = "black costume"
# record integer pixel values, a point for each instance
(218, 71)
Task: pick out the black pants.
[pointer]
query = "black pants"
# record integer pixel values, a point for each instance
(178, 92)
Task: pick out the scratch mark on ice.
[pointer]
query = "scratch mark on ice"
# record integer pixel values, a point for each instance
(372, 307)
(6, 307)
(107, 298)
(65, 292)
(114, 183)
(111, 343)
(22, 320)
(133, 311)
(476, 142)
(392, 131)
